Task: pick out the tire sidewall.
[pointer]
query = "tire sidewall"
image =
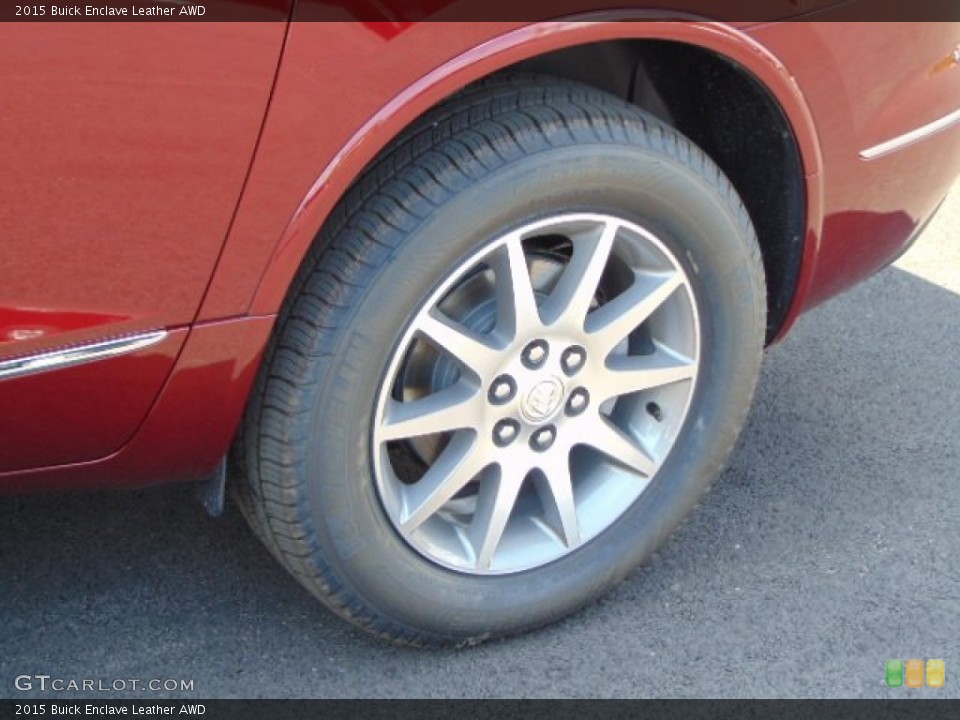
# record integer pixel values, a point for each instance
(699, 221)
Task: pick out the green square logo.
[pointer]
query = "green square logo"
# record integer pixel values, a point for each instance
(894, 673)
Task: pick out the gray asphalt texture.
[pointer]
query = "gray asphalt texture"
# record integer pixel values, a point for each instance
(831, 544)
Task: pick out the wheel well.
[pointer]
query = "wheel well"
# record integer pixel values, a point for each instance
(730, 115)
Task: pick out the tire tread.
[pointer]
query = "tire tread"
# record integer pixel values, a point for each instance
(477, 131)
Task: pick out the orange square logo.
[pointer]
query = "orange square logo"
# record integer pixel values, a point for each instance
(914, 673)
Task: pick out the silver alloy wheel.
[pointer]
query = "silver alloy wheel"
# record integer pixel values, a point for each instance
(536, 393)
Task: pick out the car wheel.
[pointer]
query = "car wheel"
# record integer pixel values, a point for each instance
(520, 350)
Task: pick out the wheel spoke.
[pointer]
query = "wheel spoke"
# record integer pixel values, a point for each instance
(457, 465)
(555, 487)
(495, 502)
(516, 302)
(449, 409)
(571, 298)
(465, 346)
(587, 305)
(634, 373)
(620, 447)
(612, 322)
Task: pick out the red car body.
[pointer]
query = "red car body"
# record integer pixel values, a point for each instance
(172, 176)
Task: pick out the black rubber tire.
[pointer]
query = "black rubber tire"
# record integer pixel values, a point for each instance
(499, 153)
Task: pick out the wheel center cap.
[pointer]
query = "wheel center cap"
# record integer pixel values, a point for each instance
(542, 400)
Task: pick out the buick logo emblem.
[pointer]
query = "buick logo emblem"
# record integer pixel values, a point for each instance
(543, 399)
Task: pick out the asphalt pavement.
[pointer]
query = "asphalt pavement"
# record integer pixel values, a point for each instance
(830, 545)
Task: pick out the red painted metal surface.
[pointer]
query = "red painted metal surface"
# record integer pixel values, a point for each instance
(82, 412)
(190, 426)
(299, 173)
(124, 216)
(866, 83)
(124, 152)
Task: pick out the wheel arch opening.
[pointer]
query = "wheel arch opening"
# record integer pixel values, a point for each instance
(728, 113)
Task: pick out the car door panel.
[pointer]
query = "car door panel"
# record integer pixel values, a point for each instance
(125, 150)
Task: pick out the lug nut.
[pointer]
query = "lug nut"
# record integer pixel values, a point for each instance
(502, 390)
(505, 432)
(654, 411)
(578, 401)
(535, 354)
(543, 438)
(573, 359)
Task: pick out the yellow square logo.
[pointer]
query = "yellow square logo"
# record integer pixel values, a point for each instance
(936, 673)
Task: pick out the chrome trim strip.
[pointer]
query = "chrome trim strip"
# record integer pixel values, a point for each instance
(77, 354)
(921, 133)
